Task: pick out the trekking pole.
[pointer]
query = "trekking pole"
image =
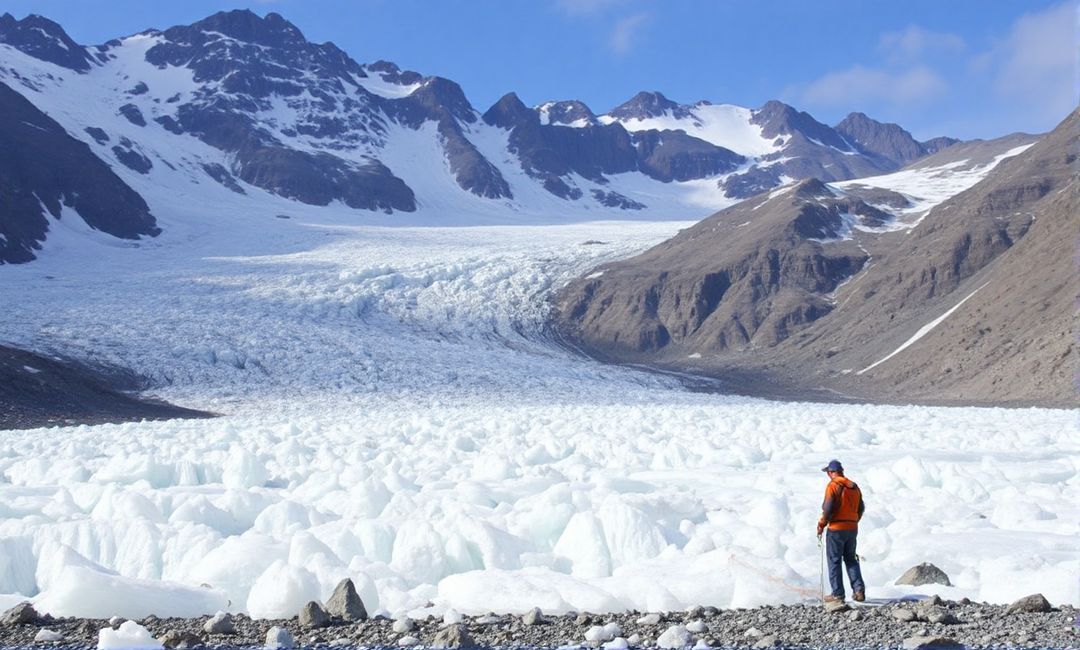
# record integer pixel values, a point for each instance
(821, 572)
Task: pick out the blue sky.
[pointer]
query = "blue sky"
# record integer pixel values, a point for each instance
(964, 68)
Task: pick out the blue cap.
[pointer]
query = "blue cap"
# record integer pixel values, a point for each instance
(833, 466)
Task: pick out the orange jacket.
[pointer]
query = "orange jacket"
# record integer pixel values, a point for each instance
(843, 506)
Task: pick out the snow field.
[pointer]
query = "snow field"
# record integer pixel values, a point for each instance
(623, 504)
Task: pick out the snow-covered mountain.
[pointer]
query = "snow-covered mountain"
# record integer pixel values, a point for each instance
(238, 105)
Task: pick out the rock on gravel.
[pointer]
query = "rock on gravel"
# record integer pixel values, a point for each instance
(1032, 603)
(939, 615)
(930, 643)
(180, 640)
(904, 615)
(836, 606)
(924, 574)
(533, 617)
(454, 635)
(313, 615)
(21, 614)
(279, 638)
(345, 603)
(408, 641)
(676, 636)
(220, 623)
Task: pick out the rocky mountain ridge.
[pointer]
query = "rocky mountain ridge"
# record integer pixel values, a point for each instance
(245, 104)
(848, 288)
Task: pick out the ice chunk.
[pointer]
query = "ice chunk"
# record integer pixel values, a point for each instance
(281, 591)
(130, 635)
(77, 587)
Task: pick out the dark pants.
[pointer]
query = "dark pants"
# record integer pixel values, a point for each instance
(840, 545)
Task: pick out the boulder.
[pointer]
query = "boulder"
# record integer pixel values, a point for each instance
(345, 603)
(1032, 603)
(220, 623)
(904, 615)
(855, 615)
(21, 614)
(278, 638)
(836, 606)
(924, 574)
(181, 640)
(403, 625)
(930, 643)
(453, 636)
(938, 615)
(533, 617)
(313, 615)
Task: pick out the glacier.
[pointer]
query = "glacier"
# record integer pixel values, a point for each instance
(394, 410)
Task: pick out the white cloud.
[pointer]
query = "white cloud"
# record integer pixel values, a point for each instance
(914, 42)
(859, 85)
(625, 32)
(1037, 64)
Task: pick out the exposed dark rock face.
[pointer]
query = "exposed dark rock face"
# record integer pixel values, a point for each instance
(132, 158)
(890, 141)
(97, 134)
(934, 145)
(571, 112)
(318, 179)
(392, 73)
(550, 153)
(673, 155)
(648, 104)
(133, 114)
(222, 175)
(43, 39)
(616, 200)
(43, 168)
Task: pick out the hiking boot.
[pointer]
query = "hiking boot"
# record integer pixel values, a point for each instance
(834, 599)
(858, 596)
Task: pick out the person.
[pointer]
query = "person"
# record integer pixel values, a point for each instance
(840, 513)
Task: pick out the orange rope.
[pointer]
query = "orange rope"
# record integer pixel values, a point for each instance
(803, 591)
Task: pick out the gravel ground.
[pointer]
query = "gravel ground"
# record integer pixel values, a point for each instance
(798, 626)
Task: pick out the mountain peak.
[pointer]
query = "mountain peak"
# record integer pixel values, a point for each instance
(647, 104)
(43, 39)
(245, 25)
(566, 112)
(508, 112)
(884, 139)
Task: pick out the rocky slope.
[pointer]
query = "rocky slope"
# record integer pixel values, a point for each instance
(814, 287)
(46, 175)
(38, 391)
(242, 105)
